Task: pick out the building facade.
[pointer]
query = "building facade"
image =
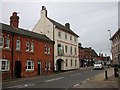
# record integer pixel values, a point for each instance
(86, 55)
(66, 42)
(115, 49)
(24, 53)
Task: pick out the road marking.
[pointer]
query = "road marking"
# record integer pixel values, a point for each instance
(53, 79)
(15, 86)
(84, 82)
(75, 85)
(88, 79)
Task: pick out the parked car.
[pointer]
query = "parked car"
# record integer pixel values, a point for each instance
(98, 64)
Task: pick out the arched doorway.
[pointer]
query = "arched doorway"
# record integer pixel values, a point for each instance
(59, 65)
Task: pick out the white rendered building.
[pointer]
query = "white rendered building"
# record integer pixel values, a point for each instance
(66, 42)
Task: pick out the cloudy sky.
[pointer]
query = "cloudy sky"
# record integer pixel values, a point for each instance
(90, 20)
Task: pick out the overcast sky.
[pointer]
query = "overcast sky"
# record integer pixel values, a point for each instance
(90, 20)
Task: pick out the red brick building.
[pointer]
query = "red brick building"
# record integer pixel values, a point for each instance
(86, 55)
(24, 53)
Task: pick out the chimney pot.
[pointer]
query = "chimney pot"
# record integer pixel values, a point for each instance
(14, 20)
(67, 25)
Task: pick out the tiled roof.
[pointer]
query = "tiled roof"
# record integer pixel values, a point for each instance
(58, 25)
(8, 28)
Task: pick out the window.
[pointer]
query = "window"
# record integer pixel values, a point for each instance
(70, 37)
(75, 39)
(17, 44)
(65, 36)
(71, 50)
(4, 65)
(59, 34)
(28, 46)
(48, 50)
(7, 43)
(29, 65)
(47, 65)
(66, 48)
(45, 49)
(71, 62)
(32, 47)
(66, 63)
(75, 62)
(75, 51)
(1, 42)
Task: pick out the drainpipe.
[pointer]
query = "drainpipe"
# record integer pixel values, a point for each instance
(53, 48)
(12, 55)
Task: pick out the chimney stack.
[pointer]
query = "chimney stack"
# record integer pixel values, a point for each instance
(14, 20)
(44, 11)
(67, 25)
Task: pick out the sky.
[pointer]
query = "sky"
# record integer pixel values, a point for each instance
(91, 19)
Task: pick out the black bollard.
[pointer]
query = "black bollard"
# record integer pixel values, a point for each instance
(106, 77)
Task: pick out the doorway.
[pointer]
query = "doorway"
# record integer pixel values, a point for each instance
(18, 69)
(39, 68)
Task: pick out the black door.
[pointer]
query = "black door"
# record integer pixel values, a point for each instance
(59, 65)
(39, 67)
(17, 69)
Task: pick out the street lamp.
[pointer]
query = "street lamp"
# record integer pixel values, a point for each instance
(109, 33)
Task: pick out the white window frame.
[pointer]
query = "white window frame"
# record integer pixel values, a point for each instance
(7, 43)
(2, 42)
(75, 51)
(18, 44)
(70, 37)
(66, 49)
(27, 46)
(65, 36)
(71, 62)
(32, 47)
(59, 34)
(48, 51)
(6, 66)
(75, 39)
(71, 52)
(31, 65)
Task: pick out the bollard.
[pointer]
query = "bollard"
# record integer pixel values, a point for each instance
(106, 77)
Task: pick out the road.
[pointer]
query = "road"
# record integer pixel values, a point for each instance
(63, 80)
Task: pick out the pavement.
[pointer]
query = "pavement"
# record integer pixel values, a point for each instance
(99, 81)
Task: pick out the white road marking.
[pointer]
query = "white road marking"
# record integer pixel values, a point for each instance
(15, 86)
(84, 81)
(53, 79)
(88, 79)
(75, 85)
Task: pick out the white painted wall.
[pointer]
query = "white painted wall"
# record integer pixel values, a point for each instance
(44, 26)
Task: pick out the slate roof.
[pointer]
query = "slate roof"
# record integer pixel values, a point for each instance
(8, 28)
(58, 25)
(94, 54)
(118, 31)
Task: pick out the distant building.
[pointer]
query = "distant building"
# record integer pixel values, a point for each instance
(24, 53)
(66, 41)
(86, 55)
(116, 47)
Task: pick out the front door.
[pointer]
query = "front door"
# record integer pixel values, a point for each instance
(18, 69)
(39, 67)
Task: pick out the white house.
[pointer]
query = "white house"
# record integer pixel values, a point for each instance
(66, 42)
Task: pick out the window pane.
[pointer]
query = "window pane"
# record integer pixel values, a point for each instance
(1, 41)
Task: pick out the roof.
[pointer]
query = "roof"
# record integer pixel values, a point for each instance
(58, 25)
(118, 31)
(8, 28)
(94, 54)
